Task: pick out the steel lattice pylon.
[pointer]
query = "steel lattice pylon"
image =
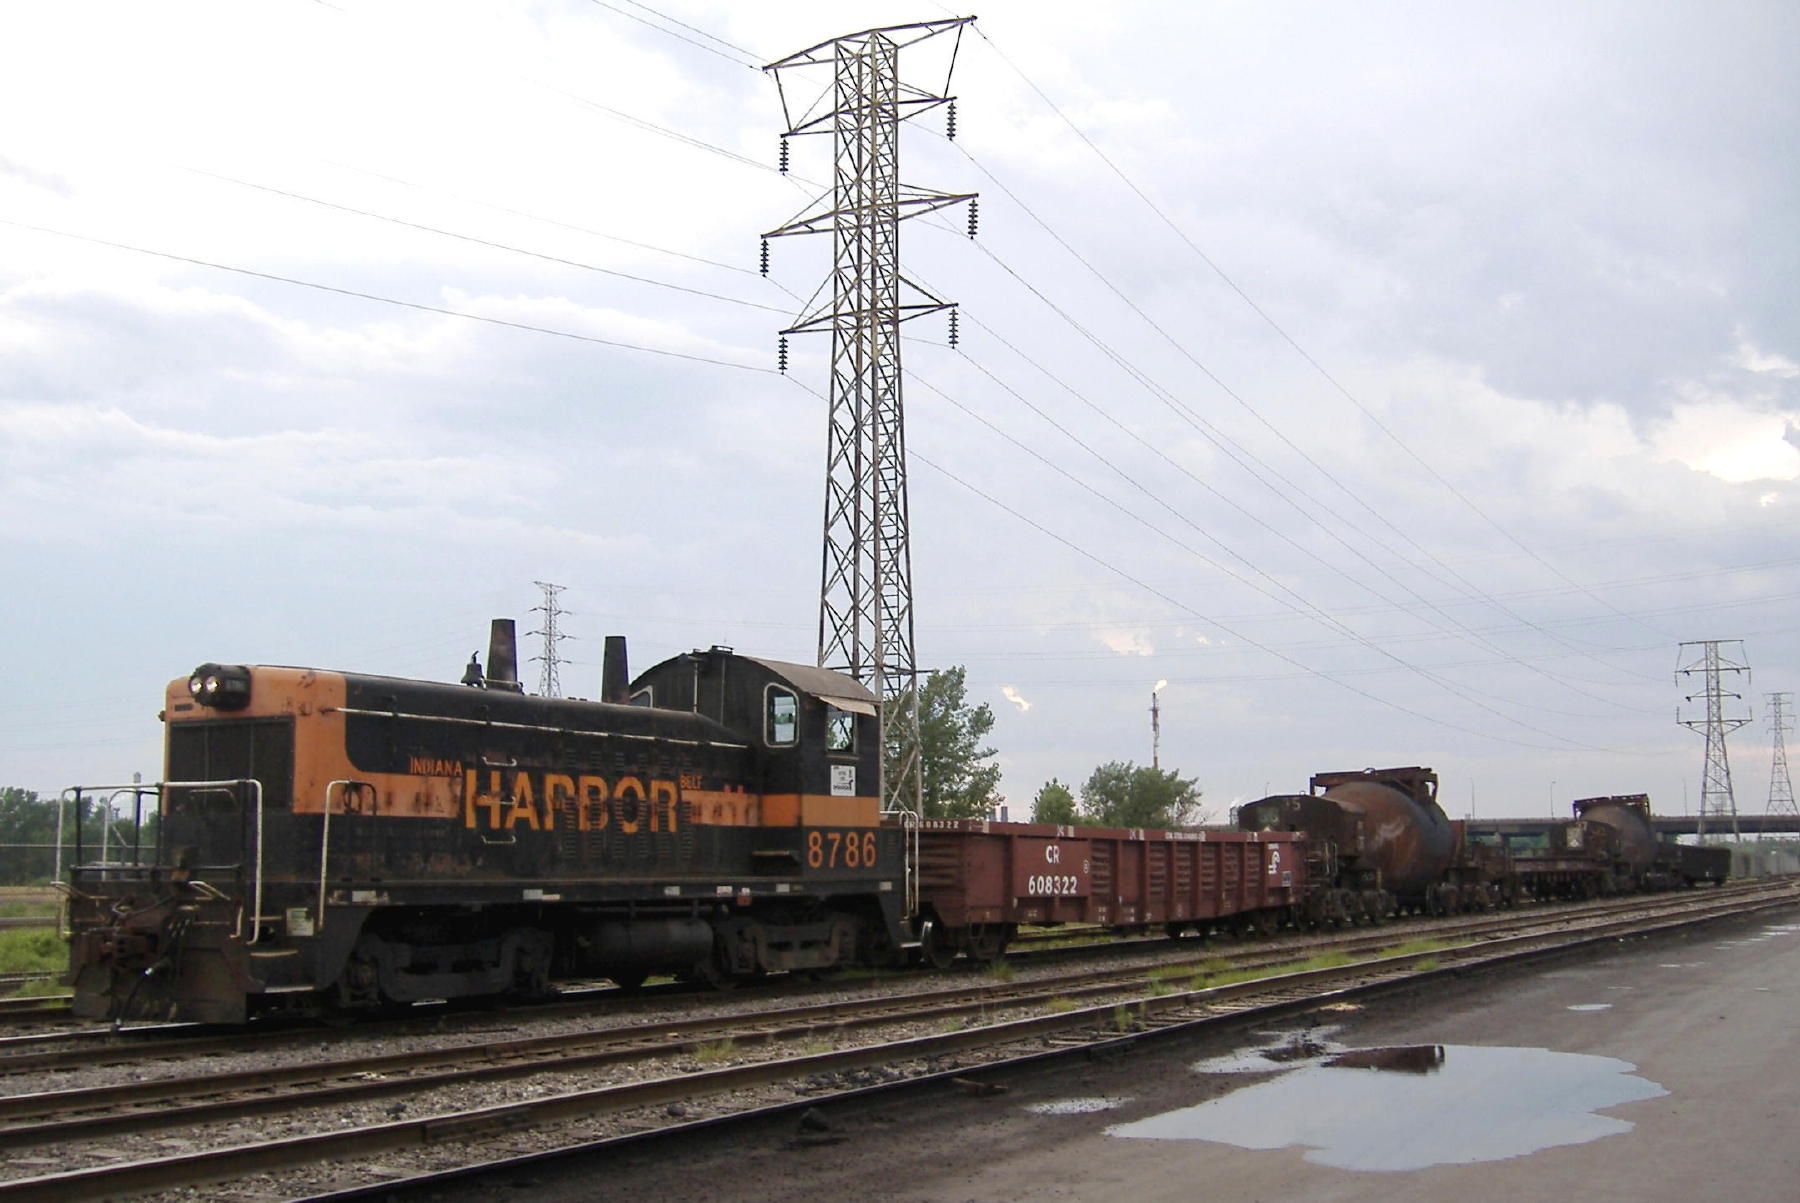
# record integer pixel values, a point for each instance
(865, 596)
(1716, 800)
(1781, 785)
(549, 679)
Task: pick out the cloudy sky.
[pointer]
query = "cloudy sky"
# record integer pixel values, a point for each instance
(1401, 383)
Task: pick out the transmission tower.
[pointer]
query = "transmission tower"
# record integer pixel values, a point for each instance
(865, 593)
(1781, 786)
(549, 684)
(1716, 802)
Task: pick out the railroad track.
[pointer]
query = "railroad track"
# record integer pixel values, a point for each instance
(992, 1016)
(99, 1045)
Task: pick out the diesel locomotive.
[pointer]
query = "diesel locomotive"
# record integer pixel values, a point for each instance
(332, 839)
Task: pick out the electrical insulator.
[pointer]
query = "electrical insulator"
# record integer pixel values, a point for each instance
(781, 354)
(765, 257)
(974, 215)
(953, 327)
(784, 156)
(950, 123)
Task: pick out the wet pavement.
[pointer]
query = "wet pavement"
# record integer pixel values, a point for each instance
(1659, 1069)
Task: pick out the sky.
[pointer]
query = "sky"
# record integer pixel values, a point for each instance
(1376, 384)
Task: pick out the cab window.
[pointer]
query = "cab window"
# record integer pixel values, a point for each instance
(840, 730)
(782, 724)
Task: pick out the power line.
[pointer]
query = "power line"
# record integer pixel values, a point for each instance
(1286, 490)
(369, 296)
(1303, 667)
(499, 246)
(1299, 603)
(671, 33)
(1289, 339)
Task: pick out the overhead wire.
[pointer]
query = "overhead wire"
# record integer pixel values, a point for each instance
(487, 242)
(1304, 354)
(1287, 491)
(385, 300)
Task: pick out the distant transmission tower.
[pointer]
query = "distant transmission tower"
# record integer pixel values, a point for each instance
(865, 595)
(1718, 808)
(549, 683)
(1781, 786)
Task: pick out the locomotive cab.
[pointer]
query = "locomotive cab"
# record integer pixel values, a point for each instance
(818, 733)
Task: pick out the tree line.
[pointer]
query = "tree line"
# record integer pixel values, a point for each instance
(960, 777)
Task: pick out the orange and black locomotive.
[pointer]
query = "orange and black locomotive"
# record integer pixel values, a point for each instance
(335, 840)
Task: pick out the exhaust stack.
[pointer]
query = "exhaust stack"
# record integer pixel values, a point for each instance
(503, 657)
(615, 676)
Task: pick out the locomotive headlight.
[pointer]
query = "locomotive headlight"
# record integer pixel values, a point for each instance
(221, 686)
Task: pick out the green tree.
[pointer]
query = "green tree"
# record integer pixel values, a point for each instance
(25, 819)
(1055, 803)
(958, 776)
(1122, 794)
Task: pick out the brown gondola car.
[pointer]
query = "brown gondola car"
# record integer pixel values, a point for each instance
(979, 880)
(337, 839)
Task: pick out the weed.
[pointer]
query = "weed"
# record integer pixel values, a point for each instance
(44, 987)
(1001, 971)
(1059, 1005)
(715, 1050)
(32, 950)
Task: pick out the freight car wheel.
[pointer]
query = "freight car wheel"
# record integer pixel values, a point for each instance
(986, 942)
(936, 944)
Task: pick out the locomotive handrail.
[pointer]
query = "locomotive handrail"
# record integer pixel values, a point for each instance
(456, 720)
(256, 911)
(325, 839)
(74, 794)
(909, 855)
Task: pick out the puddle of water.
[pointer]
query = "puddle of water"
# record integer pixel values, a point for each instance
(1086, 1106)
(1288, 1050)
(1408, 1108)
(1590, 1007)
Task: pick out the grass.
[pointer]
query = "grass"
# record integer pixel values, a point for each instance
(1001, 971)
(714, 1050)
(28, 910)
(32, 950)
(1060, 1005)
(1414, 947)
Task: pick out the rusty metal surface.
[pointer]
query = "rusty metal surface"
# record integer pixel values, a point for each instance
(1385, 825)
(1628, 815)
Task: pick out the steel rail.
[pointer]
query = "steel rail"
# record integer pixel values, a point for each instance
(187, 1169)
